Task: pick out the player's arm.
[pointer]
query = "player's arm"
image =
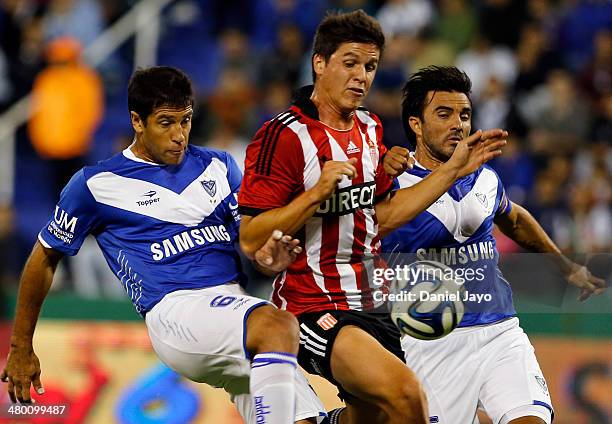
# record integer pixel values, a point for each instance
(22, 366)
(469, 155)
(405, 204)
(522, 227)
(255, 230)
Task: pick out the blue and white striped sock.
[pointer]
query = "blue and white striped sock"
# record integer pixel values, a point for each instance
(273, 387)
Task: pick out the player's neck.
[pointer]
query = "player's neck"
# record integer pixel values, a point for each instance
(329, 114)
(426, 159)
(140, 151)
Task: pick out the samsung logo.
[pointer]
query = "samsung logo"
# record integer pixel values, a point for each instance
(188, 240)
(458, 255)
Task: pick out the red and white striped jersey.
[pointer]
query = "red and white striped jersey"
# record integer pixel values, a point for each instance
(341, 240)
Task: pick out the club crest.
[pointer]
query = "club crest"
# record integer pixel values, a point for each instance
(327, 322)
(209, 186)
(482, 199)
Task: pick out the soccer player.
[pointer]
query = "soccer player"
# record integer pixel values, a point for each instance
(489, 360)
(165, 216)
(316, 170)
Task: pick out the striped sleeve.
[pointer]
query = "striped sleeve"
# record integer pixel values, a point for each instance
(505, 206)
(274, 167)
(234, 177)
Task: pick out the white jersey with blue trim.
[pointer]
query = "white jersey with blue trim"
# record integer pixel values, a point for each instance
(161, 227)
(457, 230)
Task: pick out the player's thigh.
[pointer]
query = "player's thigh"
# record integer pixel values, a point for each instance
(449, 371)
(201, 335)
(367, 370)
(514, 381)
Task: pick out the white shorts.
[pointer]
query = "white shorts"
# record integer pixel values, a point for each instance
(201, 335)
(492, 367)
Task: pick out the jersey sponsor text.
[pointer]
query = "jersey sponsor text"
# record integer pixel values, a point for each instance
(349, 199)
(147, 202)
(452, 255)
(64, 221)
(62, 227)
(188, 240)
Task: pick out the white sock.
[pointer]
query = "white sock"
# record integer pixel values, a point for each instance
(272, 385)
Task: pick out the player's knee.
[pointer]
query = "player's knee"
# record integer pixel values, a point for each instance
(280, 331)
(286, 325)
(272, 330)
(406, 401)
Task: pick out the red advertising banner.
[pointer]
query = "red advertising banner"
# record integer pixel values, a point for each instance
(103, 372)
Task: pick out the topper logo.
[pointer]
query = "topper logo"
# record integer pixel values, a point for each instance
(150, 199)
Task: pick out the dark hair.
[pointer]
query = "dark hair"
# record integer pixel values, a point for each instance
(337, 28)
(158, 86)
(432, 78)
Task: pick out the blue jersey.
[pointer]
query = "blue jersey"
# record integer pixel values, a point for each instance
(457, 230)
(161, 227)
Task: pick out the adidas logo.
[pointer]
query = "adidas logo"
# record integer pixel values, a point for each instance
(352, 149)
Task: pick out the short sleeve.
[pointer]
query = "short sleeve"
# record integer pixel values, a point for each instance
(72, 220)
(274, 168)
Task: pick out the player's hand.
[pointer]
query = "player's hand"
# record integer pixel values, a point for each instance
(472, 152)
(397, 160)
(277, 253)
(22, 370)
(581, 277)
(332, 173)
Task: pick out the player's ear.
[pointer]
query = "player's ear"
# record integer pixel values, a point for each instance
(415, 125)
(137, 123)
(318, 63)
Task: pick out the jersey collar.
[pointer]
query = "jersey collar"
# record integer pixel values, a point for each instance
(417, 163)
(131, 156)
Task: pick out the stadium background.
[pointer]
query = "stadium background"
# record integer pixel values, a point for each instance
(541, 69)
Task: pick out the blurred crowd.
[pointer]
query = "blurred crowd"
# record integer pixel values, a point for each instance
(542, 69)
